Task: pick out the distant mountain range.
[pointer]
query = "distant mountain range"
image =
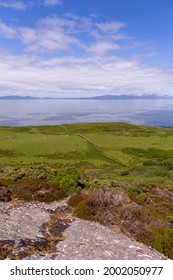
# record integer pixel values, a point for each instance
(125, 96)
(17, 97)
(102, 97)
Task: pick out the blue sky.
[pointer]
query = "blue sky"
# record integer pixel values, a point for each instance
(67, 48)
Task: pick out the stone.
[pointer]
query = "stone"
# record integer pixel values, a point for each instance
(37, 230)
(5, 194)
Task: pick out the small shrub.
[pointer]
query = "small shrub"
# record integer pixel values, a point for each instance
(83, 211)
(143, 199)
(43, 193)
(75, 199)
(10, 153)
(163, 241)
(49, 197)
(99, 205)
(150, 163)
(160, 172)
(170, 219)
(124, 173)
(150, 153)
(134, 191)
(69, 185)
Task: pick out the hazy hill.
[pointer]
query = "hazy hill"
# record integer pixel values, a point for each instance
(101, 97)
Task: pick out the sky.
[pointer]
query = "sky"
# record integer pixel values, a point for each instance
(83, 48)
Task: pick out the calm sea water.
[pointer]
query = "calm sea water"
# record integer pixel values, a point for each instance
(51, 112)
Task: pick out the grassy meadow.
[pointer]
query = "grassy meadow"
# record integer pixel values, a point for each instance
(115, 173)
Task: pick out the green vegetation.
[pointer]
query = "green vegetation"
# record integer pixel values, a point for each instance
(115, 173)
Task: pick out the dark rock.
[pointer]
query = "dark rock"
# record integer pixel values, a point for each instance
(5, 194)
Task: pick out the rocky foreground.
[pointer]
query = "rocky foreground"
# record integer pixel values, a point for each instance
(35, 230)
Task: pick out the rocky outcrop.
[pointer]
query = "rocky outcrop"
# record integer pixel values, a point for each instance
(35, 230)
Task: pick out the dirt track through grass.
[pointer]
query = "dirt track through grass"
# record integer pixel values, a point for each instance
(95, 146)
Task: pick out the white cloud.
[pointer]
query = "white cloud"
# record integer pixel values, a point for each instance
(48, 36)
(24, 4)
(70, 75)
(110, 27)
(52, 2)
(103, 47)
(83, 60)
(7, 31)
(64, 34)
(106, 35)
(27, 35)
(16, 5)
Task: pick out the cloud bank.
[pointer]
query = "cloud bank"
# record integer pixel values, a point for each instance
(77, 56)
(90, 76)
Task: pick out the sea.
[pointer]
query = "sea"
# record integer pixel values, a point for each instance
(156, 112)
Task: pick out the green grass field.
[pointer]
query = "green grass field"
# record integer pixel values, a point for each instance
(97, 164)
(145, 152)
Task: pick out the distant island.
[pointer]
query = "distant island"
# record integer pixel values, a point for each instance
(126, 96)
(101, 97)
(17, 97)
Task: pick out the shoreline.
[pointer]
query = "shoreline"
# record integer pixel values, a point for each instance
(86, 123)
